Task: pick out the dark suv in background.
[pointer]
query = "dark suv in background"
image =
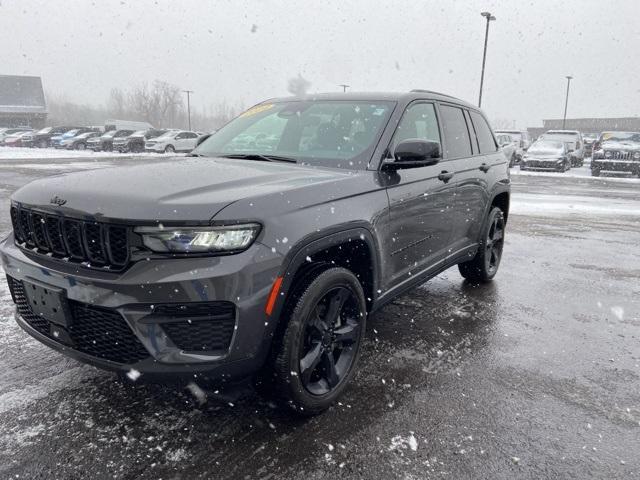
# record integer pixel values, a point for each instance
(105, 142)
(264, 254)
(616, 152)
(135, 142)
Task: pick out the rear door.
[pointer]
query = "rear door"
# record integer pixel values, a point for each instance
(419, 202)
(475, 164)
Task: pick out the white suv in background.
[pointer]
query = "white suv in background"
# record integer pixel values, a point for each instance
(521, 136)
(172, 141)
(573, 139)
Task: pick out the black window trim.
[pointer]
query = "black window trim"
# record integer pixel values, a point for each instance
(493, 134)
(463, 108)
(387, 151)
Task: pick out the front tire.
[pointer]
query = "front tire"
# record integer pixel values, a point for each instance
(169, 149)
(320, 347)
(484, 266)
(595, 172)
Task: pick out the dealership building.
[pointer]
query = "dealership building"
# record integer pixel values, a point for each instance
(589, 125)
(22, 101)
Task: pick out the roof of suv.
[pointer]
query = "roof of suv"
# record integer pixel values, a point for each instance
(376, 96)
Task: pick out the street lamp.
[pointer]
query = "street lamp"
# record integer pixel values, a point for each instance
(344, 87)
(489, 18)
(566, 100)
(189, 92)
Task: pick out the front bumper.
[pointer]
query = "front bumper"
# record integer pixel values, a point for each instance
(554, 165)
(135, 294)
(616, 165)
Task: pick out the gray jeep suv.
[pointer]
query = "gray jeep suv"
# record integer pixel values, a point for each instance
(264, 253)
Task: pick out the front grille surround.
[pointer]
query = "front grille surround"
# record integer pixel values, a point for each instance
(93, 244)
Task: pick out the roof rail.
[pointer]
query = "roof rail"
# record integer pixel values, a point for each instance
(420, 90)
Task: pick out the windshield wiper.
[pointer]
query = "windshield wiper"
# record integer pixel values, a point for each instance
(259, 156)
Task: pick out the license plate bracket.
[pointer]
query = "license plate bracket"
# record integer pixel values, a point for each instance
(48, 302)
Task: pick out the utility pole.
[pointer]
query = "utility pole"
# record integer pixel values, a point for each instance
(189, 92)
(489, 18)
(344, 87)
(566, 101)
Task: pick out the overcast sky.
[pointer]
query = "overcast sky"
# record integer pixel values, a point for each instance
(245, 51)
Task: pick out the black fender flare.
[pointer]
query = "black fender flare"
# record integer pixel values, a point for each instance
(317, 242)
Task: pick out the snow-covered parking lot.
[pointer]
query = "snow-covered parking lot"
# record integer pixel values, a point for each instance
(538, 372)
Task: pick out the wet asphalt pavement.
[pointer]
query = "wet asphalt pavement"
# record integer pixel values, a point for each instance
(536, 375)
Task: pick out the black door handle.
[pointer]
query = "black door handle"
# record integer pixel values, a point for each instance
(445, 176)
(484, 167)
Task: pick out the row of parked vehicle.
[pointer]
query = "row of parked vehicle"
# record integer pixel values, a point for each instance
(559, 150)
(112, 137)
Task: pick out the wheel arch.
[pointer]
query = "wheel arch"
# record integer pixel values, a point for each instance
(353, 247)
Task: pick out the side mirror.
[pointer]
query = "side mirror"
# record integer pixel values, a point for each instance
(415, 152)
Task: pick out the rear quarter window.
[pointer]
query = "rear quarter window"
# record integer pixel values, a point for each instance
(456, 134)
(485, 138)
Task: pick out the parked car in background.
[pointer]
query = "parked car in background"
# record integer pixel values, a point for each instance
(589, 139)
(617, 152)
(7, 131)
(135, 142)
(173, 141)
(509, 147)
(521, 136)
(105, 141)
(42, 138)
(547, 155)
(14, 140)
(56, 141)
(574, 142)
(78, 142)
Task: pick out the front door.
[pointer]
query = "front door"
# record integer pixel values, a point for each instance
(420, 201)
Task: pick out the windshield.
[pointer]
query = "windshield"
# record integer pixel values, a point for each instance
(546, 148)
(633, 137)
(45, 130)
(331, 133)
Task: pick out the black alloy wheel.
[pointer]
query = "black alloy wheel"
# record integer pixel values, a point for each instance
(331, 333)
(494, 244)
(319, 348)
(484, 265)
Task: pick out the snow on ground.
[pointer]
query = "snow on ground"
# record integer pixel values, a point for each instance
(578, 172)
(560, 205)
(14, 153)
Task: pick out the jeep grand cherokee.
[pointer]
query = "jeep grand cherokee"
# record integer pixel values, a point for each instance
(267, 251)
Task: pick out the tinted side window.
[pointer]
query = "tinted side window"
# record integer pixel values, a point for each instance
(458, 142)
(419, 121)
(485, 137)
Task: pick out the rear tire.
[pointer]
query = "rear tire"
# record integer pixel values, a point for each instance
(81, 146)
(43, 144)
(317, 355)
(484, 266)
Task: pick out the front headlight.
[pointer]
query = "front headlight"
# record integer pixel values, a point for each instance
(607, 154)
(231, 238)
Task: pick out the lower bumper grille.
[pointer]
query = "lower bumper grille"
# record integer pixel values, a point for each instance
(198, 327)
(98, 332)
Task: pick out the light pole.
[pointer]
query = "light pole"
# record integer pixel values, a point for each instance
(566, 101)
(189, 92)
(344, 87)
(489, 18)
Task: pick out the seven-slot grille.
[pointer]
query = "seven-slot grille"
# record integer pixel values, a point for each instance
(95, 244)
(619, 155)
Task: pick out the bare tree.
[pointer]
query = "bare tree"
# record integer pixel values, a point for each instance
(298, 85)
(117, 103)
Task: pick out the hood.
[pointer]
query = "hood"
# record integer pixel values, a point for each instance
(617, 145)
(188, 190)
